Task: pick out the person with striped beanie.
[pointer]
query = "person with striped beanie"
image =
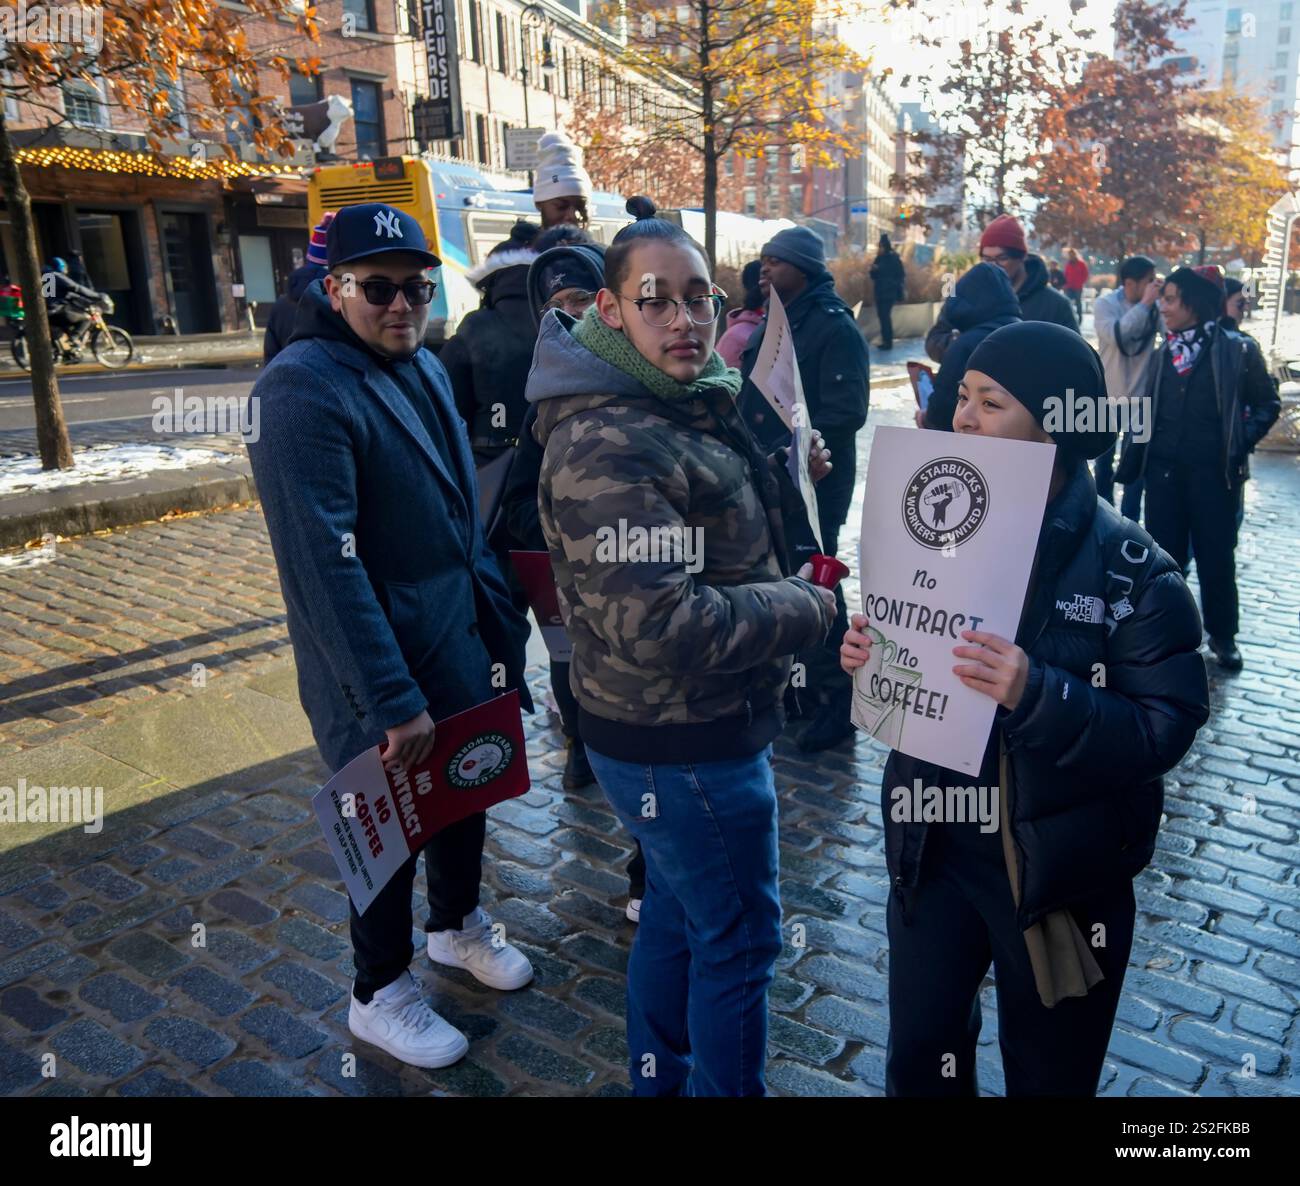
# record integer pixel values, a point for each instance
(279, 326)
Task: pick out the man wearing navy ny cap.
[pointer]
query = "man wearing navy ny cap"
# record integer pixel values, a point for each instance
(397, 612)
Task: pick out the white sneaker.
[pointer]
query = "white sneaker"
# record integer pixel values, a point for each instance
(633, 910)
(485, 956)
(400, 1021)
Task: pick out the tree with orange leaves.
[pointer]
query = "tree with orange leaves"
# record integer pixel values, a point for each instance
(753, 76)
(623, 159)
(139, 49)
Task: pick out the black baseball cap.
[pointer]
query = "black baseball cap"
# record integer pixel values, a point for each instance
(375, 229)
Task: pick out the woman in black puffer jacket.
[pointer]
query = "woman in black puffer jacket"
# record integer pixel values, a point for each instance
(1099, 696)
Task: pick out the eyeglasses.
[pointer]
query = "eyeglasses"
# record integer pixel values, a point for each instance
(576, 303)
(662, 311)
(382, 292)
(1000, 258)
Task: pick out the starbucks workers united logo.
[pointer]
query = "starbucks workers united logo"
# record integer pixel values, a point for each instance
(479, 761)
(945, 502)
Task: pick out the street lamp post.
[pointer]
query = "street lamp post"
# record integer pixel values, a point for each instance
(534, 16)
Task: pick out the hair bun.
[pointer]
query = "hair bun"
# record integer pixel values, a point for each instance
(640, 207)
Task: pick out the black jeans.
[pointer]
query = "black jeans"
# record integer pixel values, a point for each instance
(885, 311)
(1103, 471)
(958, 920)
(834, 493)
(1189, 507)
(381, 938)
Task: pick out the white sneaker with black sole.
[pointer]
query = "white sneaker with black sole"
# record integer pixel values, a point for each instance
(400, 1021)
(633, 910)
(481, 952)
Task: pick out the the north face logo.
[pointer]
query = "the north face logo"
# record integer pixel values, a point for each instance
(1083, 609)
(386, 223)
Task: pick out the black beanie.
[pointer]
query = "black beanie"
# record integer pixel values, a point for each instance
(575, 265)
(1038, 362)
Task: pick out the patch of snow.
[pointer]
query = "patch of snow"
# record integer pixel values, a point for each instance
(102, 463)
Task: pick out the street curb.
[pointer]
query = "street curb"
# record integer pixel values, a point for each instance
(93, 368)
(70, 513)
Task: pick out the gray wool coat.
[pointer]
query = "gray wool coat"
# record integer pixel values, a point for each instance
(394, 602)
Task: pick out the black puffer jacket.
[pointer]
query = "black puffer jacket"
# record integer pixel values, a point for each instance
(833, 367)
(489, 358)
(1116, 692)
(981, 302)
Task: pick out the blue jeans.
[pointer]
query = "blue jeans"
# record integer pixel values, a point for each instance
(710, 929)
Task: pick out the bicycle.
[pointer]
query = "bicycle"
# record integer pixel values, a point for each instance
(111, 345)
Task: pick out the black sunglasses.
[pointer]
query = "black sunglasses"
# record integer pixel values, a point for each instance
(382, 292)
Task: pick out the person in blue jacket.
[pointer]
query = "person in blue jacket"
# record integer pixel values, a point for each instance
(1099, 695)
(982, 301)
(396, 609)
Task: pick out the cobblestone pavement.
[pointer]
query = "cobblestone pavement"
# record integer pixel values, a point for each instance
(198, 944)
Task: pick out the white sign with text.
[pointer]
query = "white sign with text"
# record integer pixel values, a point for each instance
(950, 524)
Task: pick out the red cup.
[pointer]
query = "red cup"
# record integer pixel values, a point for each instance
(827, 571)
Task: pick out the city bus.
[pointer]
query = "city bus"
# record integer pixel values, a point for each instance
(466, 210)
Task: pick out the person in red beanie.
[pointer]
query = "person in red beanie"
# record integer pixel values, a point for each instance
(1003, 243)
(1209, 400)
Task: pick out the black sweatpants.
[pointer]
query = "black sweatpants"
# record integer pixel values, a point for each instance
(885, 311)
(944, 934)
(1191, 508)
(381, 938)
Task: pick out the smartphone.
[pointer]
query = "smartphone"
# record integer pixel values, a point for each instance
(922, 378)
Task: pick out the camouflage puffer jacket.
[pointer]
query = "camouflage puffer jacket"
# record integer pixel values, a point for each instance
(663, 531)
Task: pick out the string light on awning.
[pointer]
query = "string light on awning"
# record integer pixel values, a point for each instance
(218, 167)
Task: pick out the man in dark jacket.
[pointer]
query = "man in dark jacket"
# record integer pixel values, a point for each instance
(279, 326)
(1003, 243)
(66, 301)
(488, 359)
(835, 372)
(887, 281)
(1101, 694)
(981, 302)
(1209, 402)
(396, 610)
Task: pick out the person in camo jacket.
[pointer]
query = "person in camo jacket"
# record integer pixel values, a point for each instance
(680, 655)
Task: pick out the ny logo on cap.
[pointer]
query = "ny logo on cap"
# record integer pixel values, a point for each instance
(386, 221)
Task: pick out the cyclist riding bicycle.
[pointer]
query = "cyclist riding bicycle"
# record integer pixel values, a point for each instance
(66, 301)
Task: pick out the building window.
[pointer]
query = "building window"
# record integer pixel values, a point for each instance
(751, 166)
(481, 136)
(239, 119)
(1284, 13)
(503, 57)
(796, 199)
(475, 35)
(729, 165)
(751, 201)
(362, 14)
(368, 119)
(83, 105)
(1284, 36)
(304, 89)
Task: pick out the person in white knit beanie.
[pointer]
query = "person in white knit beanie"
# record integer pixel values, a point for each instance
(562, 186)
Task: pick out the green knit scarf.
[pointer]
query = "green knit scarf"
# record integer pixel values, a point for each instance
(614, 348)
